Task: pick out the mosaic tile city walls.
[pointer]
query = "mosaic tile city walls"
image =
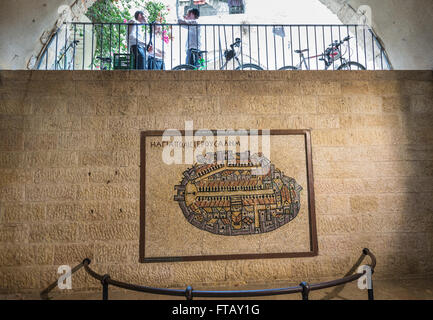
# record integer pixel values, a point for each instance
(70, 170)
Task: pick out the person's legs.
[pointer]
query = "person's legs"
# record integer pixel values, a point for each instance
(134, 55)
(150, 63)
(192, 58)
(188, 56)
(159, 64)
(141, 58)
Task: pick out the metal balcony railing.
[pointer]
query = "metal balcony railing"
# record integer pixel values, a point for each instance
(106, 46)
(189, 293)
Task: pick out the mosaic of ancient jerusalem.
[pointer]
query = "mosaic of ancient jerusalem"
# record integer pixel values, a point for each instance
(233, 197)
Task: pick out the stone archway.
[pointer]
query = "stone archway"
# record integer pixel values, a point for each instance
(402, 26)
(74, 12)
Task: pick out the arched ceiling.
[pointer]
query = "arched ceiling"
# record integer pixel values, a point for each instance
(404, 27)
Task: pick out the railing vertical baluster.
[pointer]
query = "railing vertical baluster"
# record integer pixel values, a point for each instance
(219, 48)
(162, 43)
(348, 42)
(180, 45)
(282, 46)
(111, 41)
(332, 41)
(357, 49)
(64, 49)
(128, 43)
(46, 56)
(267, 55)
(225, 42)
(75, 45)
(214, 48)
(137, 65)
(242, 45)
(187, 38)
(233, 40)
(205, 46)
(101, 52)
(57, 43)
(339, 38)
(324, 48)
(155, 41)
(291, 44)
(258, 45)
(84, 44)
(372, 47)
(171, 46)
(275, 51)
(365, 50)
(118, 39)
(308, 47)
(249, 40)
(93, 39)
(299, 38)
(315, 46)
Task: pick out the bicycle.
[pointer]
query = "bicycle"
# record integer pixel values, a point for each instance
(331, 54)
(233, 53)
(64, 54)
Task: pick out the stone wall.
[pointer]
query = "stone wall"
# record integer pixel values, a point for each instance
(69, 169)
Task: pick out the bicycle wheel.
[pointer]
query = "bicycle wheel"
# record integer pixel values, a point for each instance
(288, 68)
(249, 66)
(351, 65)
(184, 67)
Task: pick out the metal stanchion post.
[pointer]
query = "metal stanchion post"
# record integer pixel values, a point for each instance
(305, 290)
(105, 287)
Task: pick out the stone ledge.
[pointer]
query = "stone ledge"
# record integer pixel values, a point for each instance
(41, 75)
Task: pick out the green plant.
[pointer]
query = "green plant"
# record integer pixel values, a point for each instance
(113, 38)
(157, 11)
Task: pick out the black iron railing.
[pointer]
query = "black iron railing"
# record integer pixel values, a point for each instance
(189, 293)
(107, 46)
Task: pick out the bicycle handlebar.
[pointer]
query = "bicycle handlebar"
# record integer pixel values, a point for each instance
(339, 43)
(237, 43)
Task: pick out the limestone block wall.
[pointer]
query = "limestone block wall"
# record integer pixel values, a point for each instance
(69, 169)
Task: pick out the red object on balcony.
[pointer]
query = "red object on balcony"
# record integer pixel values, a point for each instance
(198, 2)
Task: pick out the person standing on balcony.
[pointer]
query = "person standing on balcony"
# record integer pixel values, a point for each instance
(155, 60)
(137, 40)
(193, 42)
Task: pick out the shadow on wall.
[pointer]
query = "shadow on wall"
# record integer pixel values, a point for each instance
(404, 211)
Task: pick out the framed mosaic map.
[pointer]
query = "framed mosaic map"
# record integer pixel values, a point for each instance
(227, 201)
